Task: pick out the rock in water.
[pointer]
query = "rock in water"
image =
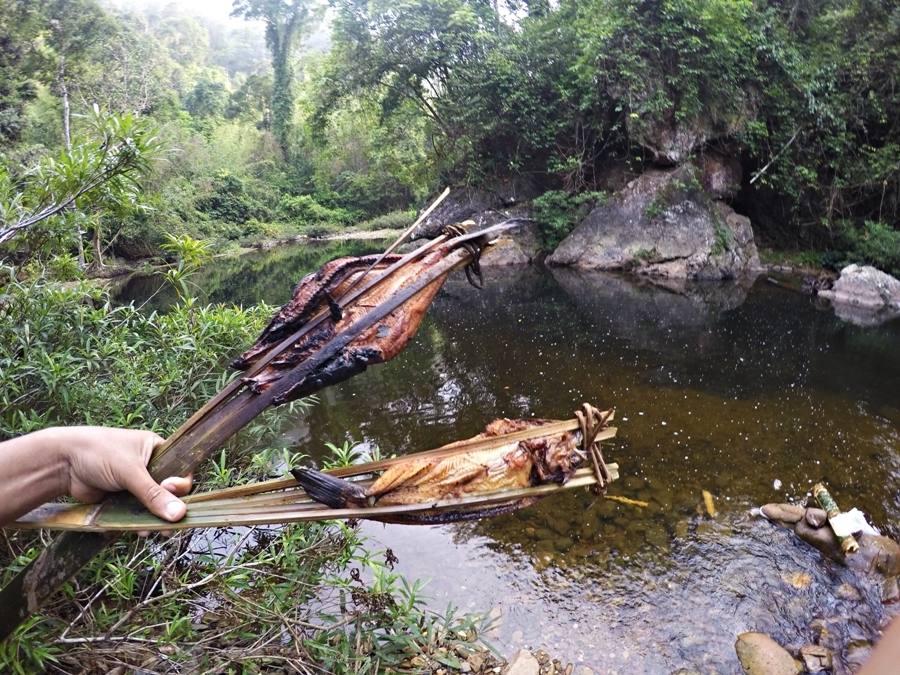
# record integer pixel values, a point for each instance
(815, 658)
(864, 295)
(523, 663)
(759, 654)
(663, 223)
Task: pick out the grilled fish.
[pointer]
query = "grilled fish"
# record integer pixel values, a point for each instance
(517, 464)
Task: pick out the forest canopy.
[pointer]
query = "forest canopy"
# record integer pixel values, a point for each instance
(299, 114)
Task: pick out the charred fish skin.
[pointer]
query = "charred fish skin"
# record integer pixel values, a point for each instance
(333, 492)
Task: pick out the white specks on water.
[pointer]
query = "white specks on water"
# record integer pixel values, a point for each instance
(776, 484)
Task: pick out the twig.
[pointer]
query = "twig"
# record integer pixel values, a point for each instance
(773, 160)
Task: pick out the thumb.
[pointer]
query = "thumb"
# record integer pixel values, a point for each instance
(156, 498)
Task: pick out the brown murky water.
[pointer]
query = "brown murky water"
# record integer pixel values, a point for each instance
(751, 393)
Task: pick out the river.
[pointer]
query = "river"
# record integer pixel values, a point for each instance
(752, 393)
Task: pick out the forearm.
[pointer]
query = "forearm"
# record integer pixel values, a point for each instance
(33, 469)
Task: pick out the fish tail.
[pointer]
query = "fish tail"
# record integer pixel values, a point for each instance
(328, 490)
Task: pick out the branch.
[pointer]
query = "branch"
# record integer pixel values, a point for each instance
(772, 161)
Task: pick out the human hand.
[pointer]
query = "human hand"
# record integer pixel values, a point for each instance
(102, 459)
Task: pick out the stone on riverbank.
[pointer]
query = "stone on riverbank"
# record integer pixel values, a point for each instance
(815, 658)
(523, 663)
(876, 553)
(759, 654)
(520, 246)
(664, 223)
(864, 295)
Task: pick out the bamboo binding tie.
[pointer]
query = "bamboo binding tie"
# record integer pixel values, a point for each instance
(591, 422)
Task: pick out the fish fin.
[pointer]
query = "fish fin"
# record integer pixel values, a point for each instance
(328, 490)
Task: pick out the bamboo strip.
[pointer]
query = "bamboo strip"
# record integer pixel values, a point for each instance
(134, 518)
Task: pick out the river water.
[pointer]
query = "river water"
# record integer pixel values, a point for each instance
(752, 393)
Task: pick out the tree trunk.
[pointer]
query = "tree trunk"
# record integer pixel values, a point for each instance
(64, 93)
(97, 249)
(282, 96)
(67, 136)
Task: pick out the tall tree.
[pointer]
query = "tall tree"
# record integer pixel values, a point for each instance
(19, 26)
(286, 21)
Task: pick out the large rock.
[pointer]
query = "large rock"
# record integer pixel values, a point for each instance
(663, 224)
(485, 207)
(720, 174)
(761, 655)
(521, 246)
(523, 663)
(864, 295)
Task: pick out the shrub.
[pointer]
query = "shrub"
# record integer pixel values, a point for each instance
(874, 244)
(395, 220)
(558, 212)
(69, 357)
(306, 209)
(231, 201)
(64, 267)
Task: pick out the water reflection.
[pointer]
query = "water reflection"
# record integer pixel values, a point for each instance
(261, 276)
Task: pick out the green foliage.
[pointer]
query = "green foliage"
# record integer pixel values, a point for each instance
(306, 209)
(558, 212)
(873, 244)
(395, 220)
(722, 236)
(101, 173)
(64, 267)
(69, 357)
(230, 201)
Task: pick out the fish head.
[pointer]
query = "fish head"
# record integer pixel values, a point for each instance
(555, 458)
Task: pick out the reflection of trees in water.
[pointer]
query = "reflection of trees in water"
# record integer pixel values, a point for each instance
(264, 276)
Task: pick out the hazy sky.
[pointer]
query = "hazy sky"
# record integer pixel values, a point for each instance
(218, 9)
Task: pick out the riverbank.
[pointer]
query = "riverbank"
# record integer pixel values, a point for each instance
(119, 267)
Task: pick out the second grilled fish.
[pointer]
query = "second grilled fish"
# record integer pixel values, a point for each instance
(516, 464)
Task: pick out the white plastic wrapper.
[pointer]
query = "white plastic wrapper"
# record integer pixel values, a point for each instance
(851, 522)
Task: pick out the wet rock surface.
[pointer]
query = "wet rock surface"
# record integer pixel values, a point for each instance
(876, 554)
(864, 295)
(520, 246)
(484, 207)
(759, 654)
(663, 223)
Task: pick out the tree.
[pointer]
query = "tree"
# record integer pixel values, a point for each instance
(102, 172)
(208, 98)
(19, 26)
(73, 27)
(286, 22)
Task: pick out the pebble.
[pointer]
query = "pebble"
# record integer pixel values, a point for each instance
(759, 654)
(523, 663)
(847, 592)
(815, 658)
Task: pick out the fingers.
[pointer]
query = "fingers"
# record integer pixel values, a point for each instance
(177, 485)
(158, 500)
